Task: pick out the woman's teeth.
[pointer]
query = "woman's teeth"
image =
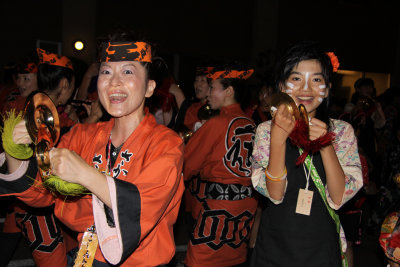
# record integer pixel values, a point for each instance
(305, 98)
(117, 96)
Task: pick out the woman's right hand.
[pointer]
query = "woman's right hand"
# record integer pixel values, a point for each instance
(283, 123)
(20, 134)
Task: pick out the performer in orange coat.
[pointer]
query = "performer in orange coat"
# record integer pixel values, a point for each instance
(130, 165)
(45, 236)
(201, 89)
(26, 83)
(219, 152)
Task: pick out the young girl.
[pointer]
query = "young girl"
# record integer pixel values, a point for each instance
(299, 226)
(131, 166)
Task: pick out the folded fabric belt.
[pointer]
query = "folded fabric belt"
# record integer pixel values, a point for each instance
(219, 191)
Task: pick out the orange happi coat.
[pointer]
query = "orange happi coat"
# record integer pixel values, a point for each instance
(146, 187)
(223, 204)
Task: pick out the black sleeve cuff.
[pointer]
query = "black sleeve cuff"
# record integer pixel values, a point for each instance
(129, 209)
(22, 184)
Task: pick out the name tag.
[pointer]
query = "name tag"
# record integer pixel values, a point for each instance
(304, 201)
(87, 249)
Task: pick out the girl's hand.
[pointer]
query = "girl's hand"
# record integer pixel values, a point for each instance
(282, 124)
(69, 166)
(20, 134)
(317, 129)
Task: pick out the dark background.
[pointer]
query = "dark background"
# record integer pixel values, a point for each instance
(365, 35)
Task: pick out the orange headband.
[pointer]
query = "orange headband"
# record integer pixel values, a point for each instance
(53, 59)
(334, 61)
(126, 51)
(231, 74)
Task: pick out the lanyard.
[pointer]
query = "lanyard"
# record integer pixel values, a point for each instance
(109, 167)
(309, 172)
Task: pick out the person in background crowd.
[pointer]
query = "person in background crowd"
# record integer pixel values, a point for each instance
(219, 153)
(48, 240)
(26, 84)
(8, 87)
(201, 90)
(262, 113)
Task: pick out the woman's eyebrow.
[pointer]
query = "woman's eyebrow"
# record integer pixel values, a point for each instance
(129, 64)
(295, 72)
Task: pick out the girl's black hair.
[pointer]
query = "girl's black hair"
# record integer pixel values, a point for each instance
(49, 76)
(306, 50)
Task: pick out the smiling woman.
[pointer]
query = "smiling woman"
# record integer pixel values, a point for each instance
(307, 86)
(131, 166)
(123, 87)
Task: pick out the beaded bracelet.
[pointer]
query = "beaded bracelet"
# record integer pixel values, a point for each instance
(276, 178)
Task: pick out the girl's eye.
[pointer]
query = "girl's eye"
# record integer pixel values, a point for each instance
(318, 80)
(296, 79)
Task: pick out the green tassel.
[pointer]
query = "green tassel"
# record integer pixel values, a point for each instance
(23, 151)
(18, 151)
(56, 184)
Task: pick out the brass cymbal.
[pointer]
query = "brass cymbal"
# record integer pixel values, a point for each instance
(42, 155)
(280, 98)
(40, 109)
(299, 113)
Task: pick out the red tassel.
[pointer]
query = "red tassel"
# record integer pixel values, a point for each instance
(322, 141)
(300, 137)
(300, 160)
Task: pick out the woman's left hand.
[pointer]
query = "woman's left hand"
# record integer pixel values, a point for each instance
(69, 166)
(317, 129)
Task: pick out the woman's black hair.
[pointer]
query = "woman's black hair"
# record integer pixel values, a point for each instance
(49, 76)
(306, 50)
(238, 85)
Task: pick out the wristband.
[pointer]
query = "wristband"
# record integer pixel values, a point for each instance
(276, 178)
